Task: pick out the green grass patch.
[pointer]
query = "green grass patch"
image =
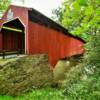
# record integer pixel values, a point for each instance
(4, 61)
(38, 94)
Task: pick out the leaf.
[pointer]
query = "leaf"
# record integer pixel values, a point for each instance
(78, 30)
(76, 6)
(82, 2)
(89, 10)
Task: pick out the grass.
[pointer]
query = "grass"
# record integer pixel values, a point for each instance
(38, 94)
(6, 60)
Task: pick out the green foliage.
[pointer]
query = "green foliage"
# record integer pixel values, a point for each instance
(24, 74)
(83, 82)
(4, 5)
(84, 90)
(80, 17)
(59, 15)
(92, 55)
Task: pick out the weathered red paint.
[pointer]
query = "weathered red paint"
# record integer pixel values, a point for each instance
(42, 39)
(52, 42)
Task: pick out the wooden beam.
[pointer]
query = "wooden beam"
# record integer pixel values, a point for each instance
(12, 29)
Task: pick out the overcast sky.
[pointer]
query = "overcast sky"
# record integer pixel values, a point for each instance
(44, 6)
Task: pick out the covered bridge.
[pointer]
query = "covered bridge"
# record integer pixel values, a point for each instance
(31, 32)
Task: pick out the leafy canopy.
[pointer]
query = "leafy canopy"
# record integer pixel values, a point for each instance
(3, 6)
(80, 17)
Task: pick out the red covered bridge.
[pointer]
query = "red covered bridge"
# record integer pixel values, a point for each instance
(32, 32)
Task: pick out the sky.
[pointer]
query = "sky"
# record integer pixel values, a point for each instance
(44, 6)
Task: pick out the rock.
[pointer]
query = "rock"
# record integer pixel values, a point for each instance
(62, 67)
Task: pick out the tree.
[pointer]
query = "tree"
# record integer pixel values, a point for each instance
(80, 17)
(4, 5)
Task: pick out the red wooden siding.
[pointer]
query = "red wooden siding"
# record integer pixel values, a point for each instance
(39, 38)
(0, 41)
(10, 40)
(22, 14)
(54, 43)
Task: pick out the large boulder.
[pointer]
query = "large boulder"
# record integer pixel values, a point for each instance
(24, 74)
(62, 67)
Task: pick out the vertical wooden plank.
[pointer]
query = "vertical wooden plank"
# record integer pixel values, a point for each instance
(1, 41)
(54, 43)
